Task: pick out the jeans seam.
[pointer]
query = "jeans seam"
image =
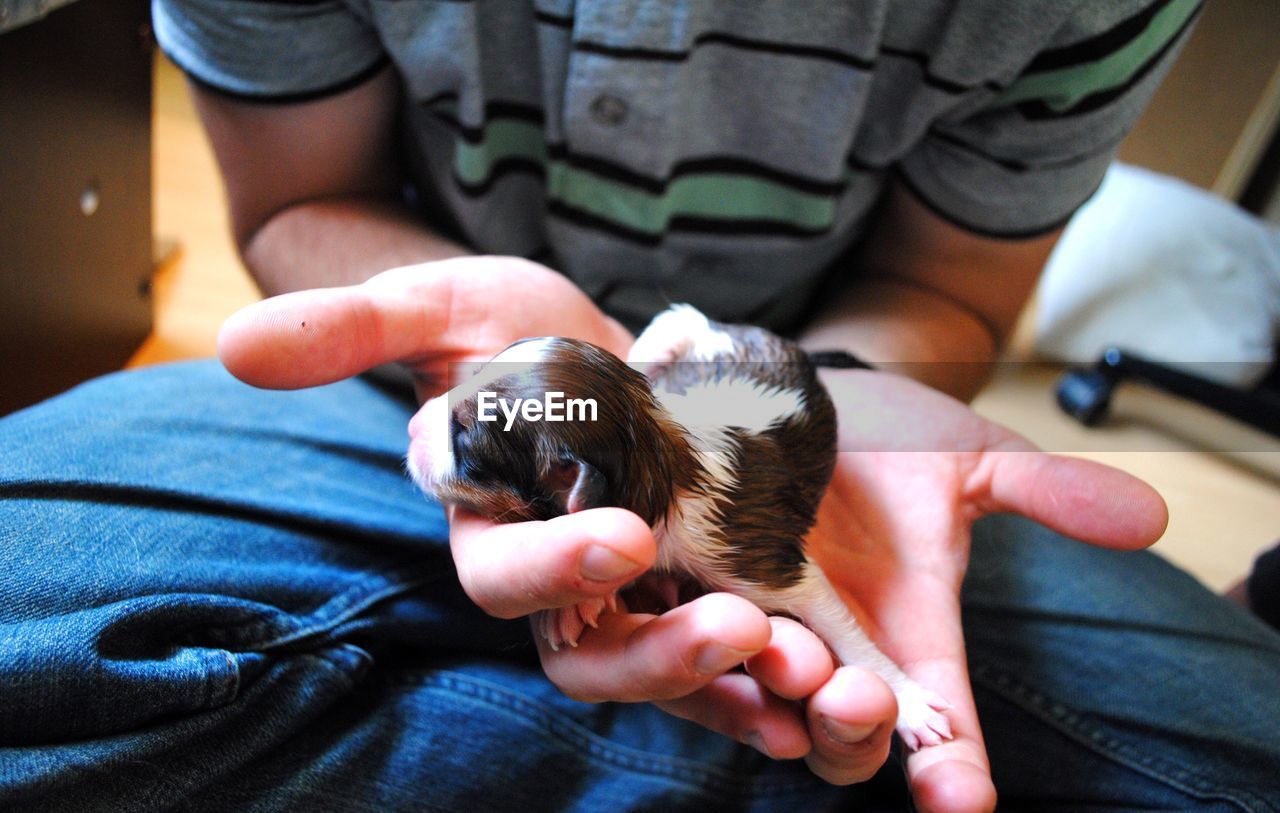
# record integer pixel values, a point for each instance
(1059, 716)
(224, 683)
(557, 724)
(272, 632)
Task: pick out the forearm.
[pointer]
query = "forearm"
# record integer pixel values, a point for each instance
(339, 241)
(908, 330)
(930, 300)
(313, 188)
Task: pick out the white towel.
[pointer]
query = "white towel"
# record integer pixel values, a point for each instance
(1155, 265)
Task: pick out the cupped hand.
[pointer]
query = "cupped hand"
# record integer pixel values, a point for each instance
(793, 702)
(915, 469)
(790, 702)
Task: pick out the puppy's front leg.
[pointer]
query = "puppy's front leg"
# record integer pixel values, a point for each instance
(565, 625)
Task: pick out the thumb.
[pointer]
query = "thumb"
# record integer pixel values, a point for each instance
(1077, 498)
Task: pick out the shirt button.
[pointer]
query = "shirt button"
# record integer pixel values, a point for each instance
(608, 110)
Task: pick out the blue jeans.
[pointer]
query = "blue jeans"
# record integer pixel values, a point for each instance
(217, 598)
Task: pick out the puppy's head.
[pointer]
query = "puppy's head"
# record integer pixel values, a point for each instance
(548, 427)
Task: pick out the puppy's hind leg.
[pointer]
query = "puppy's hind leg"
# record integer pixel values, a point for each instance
(814, 601)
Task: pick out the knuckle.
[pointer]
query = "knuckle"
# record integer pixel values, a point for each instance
(486, 602)
(672, 680)
(660, 688)
(643, 680)
(843, 771)
(582, 694)
(639, 688)
(472, 587)
(570, 682)
(483, 594)
(501, 591)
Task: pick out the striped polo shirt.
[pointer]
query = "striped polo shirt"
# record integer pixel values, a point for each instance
(724, 154)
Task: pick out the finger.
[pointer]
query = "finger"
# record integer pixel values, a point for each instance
(953, 786)
(518, 568)
(795, 664)
(923, 633)
(635, 657)
(314, 337)
(850, 719)
(1078, 498)
(954, 776)
(739, 707)
(917, 624)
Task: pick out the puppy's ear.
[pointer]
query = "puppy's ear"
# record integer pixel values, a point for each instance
(576, 485)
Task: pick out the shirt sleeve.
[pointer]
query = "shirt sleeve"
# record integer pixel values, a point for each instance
(1021, 161)
(269, 50)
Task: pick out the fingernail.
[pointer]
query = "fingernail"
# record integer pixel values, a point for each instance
(757, 742)
(846, 733)
(714, 658)
(601, 564)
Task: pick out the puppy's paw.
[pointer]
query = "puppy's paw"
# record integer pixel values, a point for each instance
(921, 720)
(565, 625)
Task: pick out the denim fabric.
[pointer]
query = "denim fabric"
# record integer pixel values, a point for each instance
(217, 598)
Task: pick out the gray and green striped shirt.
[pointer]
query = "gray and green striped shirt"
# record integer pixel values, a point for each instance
(725, 154)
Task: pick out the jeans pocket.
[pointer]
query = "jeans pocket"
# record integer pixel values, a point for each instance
(1061, 748)
(119, 666)
(109, 668)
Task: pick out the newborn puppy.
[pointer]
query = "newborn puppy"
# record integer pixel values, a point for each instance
(724, 445)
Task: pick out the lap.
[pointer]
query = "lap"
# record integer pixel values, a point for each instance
(1113, 681)
(231, 599)
(222, 598)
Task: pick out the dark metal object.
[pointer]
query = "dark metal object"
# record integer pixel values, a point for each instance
(837, 359)
(75, 196)
(1086, 394)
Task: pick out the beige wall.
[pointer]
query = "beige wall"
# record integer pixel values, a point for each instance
(1214, 113)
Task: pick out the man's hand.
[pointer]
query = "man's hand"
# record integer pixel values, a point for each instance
(426, 316)
(790, 703)
(915, 470)
(468, 309)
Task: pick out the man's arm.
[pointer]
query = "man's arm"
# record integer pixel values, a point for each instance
(314, 197)
(935, 301)
(313, 187)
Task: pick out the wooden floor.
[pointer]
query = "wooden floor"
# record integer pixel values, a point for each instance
(1225, 505)
(203, 282)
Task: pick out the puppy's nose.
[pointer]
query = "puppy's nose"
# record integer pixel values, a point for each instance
(421, 424)
(417, 425)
